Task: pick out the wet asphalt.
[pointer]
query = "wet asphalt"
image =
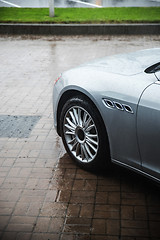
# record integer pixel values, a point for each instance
(43, 194)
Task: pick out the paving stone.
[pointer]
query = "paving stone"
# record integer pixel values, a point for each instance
(42, 224)
(87, 210)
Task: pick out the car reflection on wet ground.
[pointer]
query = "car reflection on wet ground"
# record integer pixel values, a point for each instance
(80, 3)
(44, 195)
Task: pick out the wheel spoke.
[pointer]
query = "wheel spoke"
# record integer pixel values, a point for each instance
(85, 155)
(91, 146)
(70, 133)
(78, 149)
(73, 117)
(79, 117)
(91, 135)
(90, 127)
(72, 141)
(88, 151)
(76, 115)
(71, 123)
(69, 127)
(82, 153)
(84, 118)
(87, 123)
(74, 146)
(91, 141)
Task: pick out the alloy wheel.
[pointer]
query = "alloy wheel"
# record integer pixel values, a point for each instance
(81, 134)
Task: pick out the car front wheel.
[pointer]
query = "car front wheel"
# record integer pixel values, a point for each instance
(83, 133)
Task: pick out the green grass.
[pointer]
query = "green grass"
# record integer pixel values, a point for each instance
(81, 15)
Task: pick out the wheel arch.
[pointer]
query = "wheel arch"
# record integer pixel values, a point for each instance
(74, 93)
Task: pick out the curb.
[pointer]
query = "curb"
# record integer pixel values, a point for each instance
(80, 29)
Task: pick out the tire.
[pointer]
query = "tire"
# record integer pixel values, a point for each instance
(83, 134)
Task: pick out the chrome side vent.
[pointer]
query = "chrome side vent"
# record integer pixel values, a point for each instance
(127, 108)
(116, 105)
(109, 103)
(119, 106)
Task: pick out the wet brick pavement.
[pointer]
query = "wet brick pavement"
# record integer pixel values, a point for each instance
(44, 195)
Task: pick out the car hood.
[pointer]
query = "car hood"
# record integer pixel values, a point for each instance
(127, 64)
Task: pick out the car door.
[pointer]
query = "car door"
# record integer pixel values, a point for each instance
(148, 128)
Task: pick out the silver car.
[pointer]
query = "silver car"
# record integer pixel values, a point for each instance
(108, 111)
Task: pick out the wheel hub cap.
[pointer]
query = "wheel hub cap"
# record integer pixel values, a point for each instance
(80, 135)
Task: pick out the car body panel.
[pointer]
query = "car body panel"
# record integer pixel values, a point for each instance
(128, 64)
(148, 128)
(120, 79)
